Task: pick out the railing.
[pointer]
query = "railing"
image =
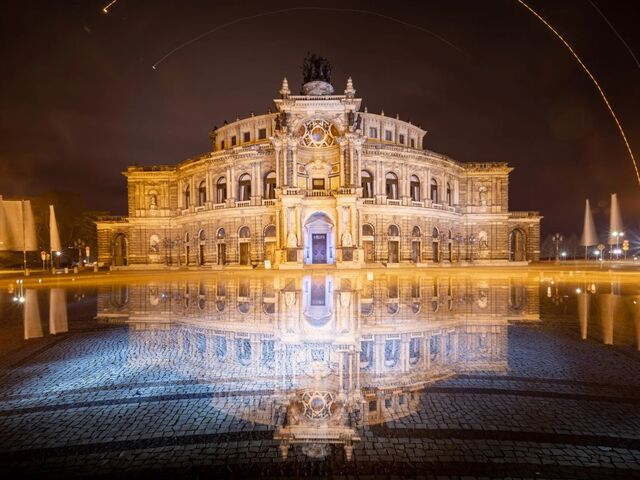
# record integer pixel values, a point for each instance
(243, 203)
(346, 191)
(523, 214)
(318, 193)
(392, 202)
(269, 202)
(290, 191)
(416, 203)
(369, 201)
(218, 206)
(200, 208)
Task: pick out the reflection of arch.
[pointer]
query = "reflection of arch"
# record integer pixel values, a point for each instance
(120, 250)
(367, 184)
(319, 242)
(517, 245)
(119, 295)
(243, 350)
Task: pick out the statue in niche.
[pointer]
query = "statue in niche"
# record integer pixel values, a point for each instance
(482, 193)
(483, 242)
(292, 240)
(347, 241)
(315, 68)
(154, 200)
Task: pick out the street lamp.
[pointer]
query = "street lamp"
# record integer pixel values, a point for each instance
(557, 239)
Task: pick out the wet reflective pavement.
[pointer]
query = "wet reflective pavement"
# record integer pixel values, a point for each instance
(520, 374)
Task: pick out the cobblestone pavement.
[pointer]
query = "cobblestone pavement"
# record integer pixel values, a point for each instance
(93, 403)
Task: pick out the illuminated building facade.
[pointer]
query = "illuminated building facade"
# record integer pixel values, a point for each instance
(318, 182)
(318, 357)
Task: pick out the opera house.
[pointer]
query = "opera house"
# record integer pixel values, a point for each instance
(318, 180)
(318, 357)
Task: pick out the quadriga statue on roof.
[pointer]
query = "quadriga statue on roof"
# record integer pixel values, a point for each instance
(315, 68)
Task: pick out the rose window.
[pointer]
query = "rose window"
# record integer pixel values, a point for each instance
(318, 133)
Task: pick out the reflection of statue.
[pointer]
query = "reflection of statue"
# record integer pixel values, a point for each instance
(316, 67)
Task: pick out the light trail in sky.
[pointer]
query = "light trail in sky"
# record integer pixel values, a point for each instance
(293, 9)
(616, 32)
(107, 7)
(593, 79)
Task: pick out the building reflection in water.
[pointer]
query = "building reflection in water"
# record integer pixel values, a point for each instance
(320, 355)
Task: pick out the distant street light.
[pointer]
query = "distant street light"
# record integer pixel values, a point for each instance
(557, 239)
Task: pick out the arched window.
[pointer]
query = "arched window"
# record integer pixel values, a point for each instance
(270, 231)
(220, 234)
(393, 231)
(221, 190)
(244, 187)
(187, 197)
(202, 193)
(414, 188)
(449, 194)
(367, 230)
(391, 186)
(434, 190)
(435, 234)
(416, 233)
(244, 232)
(367, 184)
(270, 185)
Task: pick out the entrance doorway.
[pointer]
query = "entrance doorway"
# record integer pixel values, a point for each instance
(319, 244)
(120, 250)
(222, 254)
(393, 251)
(319, 248)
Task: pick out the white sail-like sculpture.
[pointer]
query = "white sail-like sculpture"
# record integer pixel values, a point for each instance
(589, 234)
(32, 325)
(58, 322)
(17, 226)
(615, 221)
(54, 235)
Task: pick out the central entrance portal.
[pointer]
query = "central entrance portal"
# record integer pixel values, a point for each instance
(319, 244)
(318, 248)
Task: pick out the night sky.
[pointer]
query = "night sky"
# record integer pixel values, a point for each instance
(79, 100)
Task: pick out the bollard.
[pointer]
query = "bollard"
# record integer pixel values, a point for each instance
(66, 269)
(75, 269)
(95, 268)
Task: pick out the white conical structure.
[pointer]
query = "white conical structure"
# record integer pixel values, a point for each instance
(589, 234)
(54, 235)
(58, 322)
(615, 221)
